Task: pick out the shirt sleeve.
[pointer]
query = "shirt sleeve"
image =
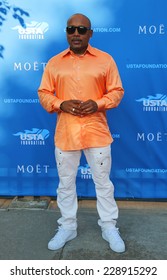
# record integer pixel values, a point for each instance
(46, 91)
(114, 90)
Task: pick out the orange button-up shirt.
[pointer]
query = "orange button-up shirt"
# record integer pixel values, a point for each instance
(93, 75)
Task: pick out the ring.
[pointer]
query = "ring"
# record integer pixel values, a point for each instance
(73, 109)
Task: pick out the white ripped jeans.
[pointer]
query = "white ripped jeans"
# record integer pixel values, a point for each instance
(99, 160)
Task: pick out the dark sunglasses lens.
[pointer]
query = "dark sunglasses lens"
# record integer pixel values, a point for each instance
(70, 29)
(82, 30)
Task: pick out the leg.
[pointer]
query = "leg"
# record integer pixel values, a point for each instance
(99, 160)
(67, 166)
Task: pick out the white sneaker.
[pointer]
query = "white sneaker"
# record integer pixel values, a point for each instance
(113, 237)
(60, 238)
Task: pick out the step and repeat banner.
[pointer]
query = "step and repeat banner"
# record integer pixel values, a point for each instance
(135, 34)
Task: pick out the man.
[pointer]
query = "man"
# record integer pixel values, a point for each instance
(80, 84)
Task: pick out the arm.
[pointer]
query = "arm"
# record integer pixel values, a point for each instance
(113, 96)
(50, 102)
(114, 89)
(46, 92)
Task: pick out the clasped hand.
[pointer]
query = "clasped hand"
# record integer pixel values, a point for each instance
(79, 108)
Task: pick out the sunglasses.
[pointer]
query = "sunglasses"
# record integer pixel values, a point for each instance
(81, 29)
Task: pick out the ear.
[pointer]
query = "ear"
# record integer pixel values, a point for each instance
(91, 33)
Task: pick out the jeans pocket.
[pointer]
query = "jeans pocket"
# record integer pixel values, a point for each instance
(103, 162)
(59, 161)
(100, 160)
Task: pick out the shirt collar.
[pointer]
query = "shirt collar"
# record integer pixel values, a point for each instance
(89, 49)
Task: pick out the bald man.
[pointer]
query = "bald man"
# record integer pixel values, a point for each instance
(80, 84)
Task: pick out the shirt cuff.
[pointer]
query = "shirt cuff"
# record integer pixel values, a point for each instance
(101, 104)
(56, 105)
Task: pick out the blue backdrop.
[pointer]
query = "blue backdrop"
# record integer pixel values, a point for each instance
(135, 34)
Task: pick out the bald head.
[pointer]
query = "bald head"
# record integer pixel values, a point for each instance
(79, 41)
(80, 17)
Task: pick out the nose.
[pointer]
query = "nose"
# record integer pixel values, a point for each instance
(76, 31)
